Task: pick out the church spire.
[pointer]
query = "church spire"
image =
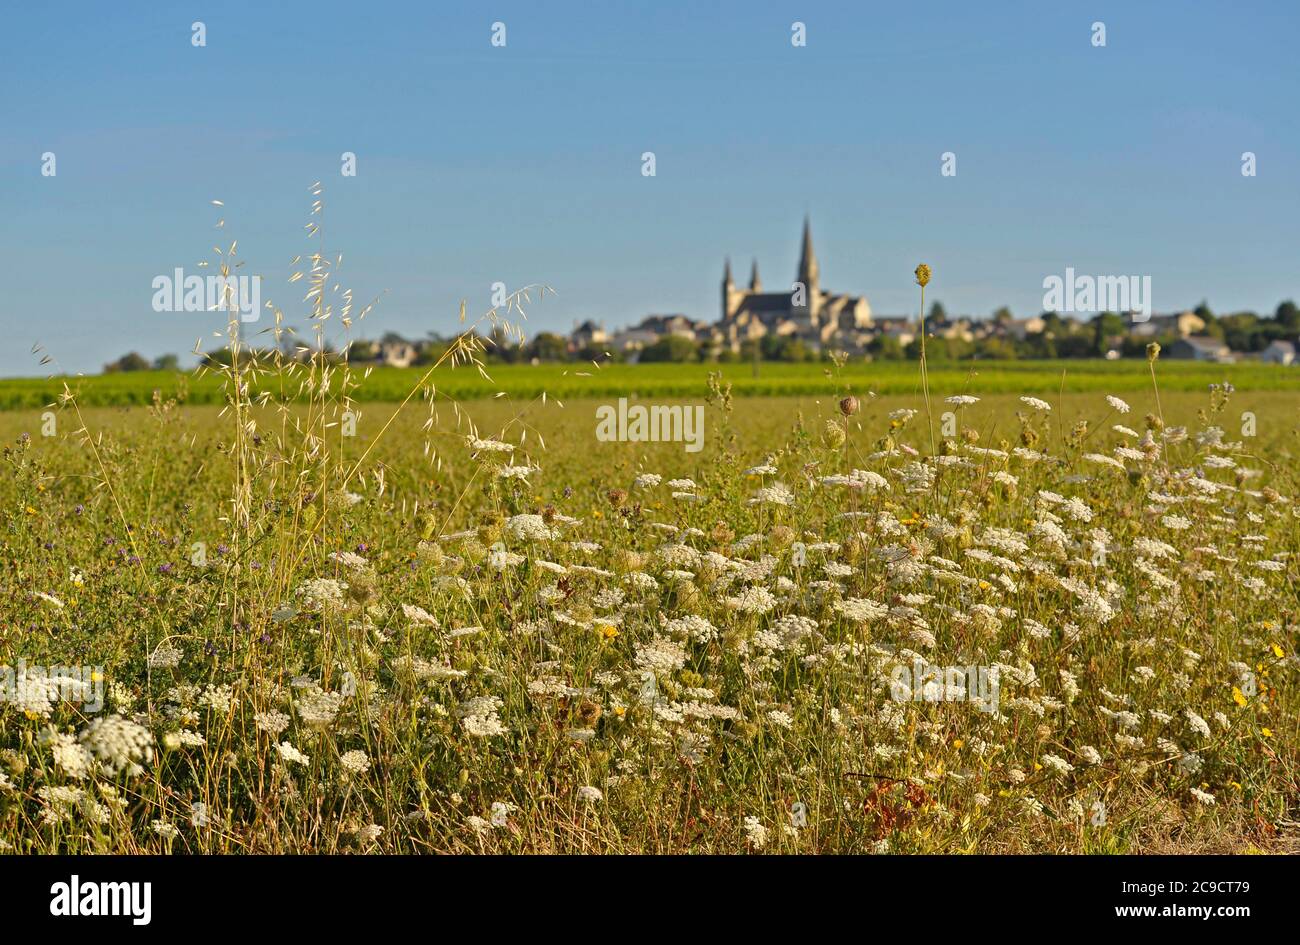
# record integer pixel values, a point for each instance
(730, 297)
(755, 284)
(809, 278)
(808, 270)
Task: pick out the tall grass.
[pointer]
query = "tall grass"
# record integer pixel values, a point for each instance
(441, 635)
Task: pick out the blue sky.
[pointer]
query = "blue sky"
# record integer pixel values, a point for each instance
(522, 164)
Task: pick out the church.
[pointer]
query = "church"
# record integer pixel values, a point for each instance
(806, 311)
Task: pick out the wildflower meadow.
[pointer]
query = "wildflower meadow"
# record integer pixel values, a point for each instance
(298, 621)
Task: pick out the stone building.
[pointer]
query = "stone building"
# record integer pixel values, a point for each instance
(815, 316)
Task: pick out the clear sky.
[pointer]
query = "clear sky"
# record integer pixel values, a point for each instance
(522, 164)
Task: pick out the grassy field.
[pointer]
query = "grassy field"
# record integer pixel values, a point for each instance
(504, 634)
(680, 380)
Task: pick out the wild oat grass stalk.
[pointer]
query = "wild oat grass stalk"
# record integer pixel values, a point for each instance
(923, 279)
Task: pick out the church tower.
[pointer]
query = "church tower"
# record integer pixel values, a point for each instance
(755, 284)
(810, 276)
(730, 297)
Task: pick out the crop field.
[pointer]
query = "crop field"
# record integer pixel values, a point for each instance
(1056, 616)
(767, 379)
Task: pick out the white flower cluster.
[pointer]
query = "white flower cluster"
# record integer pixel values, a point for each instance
(118, 744)
(478, 716)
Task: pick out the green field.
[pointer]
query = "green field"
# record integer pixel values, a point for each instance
(1039, 378)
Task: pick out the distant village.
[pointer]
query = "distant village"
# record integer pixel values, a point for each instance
(809, 323)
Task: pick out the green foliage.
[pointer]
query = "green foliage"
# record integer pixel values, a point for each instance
(128, 362)
(672, 348)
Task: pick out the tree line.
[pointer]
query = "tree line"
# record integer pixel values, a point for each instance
(1246, 332)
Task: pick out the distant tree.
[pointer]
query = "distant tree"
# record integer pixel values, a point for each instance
(549, 346)
(601, 354)
(504, 346)
(1003, 315)
(996, 349)
(886, 347)
(1203, 312)
(1076, 346)
(955, 348)
(1288, 316)
(784, 348)
(167, 362)
(1107, 327)
(1243, 331)
(1054, 324)
(1135, 346)
(429, 352)
(1041, 345)
(128, 362)
(220, 357)
(671, 348)
(940, 349)
(363, 350)
(793, 349)
(937, 313)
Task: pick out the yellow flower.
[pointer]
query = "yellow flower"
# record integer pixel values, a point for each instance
(957, 743)
(620, 710)
(1268, 732)
(608, 631)
(1237, 696)
(922, 275)
(1277, 651)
